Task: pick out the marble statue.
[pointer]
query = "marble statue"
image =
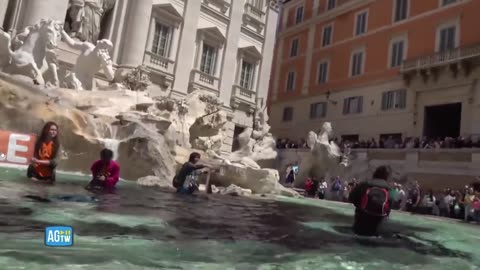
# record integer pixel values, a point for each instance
(325, 158)
(265, 145)
(91, 59)
(84, 18)
(26, 53)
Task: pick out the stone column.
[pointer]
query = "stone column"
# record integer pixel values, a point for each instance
(268, 49)
(186, 49)
(227, 79)
(137, 21)
(35, 10)
(3, 10)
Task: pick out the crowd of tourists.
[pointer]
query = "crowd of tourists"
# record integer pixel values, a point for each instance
(392, 143)
(452, 203)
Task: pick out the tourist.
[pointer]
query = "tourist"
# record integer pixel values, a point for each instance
(468, 201)
(308, 187)
(290, 175)
(371, 202)
(394, 197)
(413, 198)
(185, 181)
(402, 198)
(105, 172)
(336, 190)
(43, 164)
(450, 203)
(322, 189)
(428, 202)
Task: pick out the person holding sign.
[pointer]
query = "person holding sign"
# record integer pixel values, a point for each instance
(43, 163)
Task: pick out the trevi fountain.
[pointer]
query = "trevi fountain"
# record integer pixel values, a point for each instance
(144, 224)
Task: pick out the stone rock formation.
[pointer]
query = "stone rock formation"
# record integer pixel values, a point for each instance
(325, 158)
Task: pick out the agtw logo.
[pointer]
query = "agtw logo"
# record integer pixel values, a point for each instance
(59, 236)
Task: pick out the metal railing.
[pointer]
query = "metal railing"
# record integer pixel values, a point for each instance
(441, 58)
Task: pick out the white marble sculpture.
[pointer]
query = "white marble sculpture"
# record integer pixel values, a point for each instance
(92, 58)
(325, 158)
(265, 145)
(84, 18)
(25, 55)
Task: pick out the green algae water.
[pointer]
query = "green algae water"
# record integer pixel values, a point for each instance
(148, 228)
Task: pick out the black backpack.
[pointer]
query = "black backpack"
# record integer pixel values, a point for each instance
(375, 202)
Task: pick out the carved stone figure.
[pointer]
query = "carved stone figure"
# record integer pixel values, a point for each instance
(91, 59)
(51, 74)
(325, 157)
(85, 17)
(25, 55)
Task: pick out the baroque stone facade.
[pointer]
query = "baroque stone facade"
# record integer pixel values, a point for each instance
(222, 46)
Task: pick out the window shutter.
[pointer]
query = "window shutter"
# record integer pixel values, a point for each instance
(360, 104)
(403, 98)
(384, 101)
(324, 109)
(345, 106)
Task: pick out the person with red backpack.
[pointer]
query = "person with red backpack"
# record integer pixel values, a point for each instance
(372, 202)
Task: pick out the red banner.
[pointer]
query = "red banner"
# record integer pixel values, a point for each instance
(16, 148)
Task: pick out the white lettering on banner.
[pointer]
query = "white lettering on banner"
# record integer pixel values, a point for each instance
(57, 236)
(13, 148)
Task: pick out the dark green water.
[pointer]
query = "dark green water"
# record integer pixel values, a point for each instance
(145, 228)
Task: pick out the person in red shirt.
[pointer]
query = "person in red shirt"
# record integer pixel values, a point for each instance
(105, 172)
(43, 164)
(308, 187)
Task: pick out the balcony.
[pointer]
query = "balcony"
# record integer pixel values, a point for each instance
(254, 12)
(204, 80)
(254, 18)
(159, 63)
(441, 59)
(244, 96)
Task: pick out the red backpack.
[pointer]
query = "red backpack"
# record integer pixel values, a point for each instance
(375, 202)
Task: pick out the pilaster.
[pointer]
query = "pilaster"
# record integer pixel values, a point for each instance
(186, 48)
(136, 32)
(227, 79)
(268, 50)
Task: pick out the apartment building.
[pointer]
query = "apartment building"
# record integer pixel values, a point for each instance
(377, 68)
(221, 46)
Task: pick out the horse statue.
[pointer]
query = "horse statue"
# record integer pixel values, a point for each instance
(25, 55)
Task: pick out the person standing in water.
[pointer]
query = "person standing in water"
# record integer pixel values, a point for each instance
(43, 164)
(105, 172)
(372, 202)
(185, 181)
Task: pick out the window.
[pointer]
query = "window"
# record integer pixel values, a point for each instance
(322, 72)
(331, 4)
(352, 105)
(448, 2)
(361, 23)
(294, 48)
(447, 38)
(258, 4)
(397, 53)
(357, 63)
(396, 99)
(161, 40)
(290, 81)
(287, 114)
(247, 75)
(318, 110)
(327, 35)
(209, 58)
(299, 15)
(401, 10)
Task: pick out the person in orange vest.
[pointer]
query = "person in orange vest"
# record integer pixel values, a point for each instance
(43, 163)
